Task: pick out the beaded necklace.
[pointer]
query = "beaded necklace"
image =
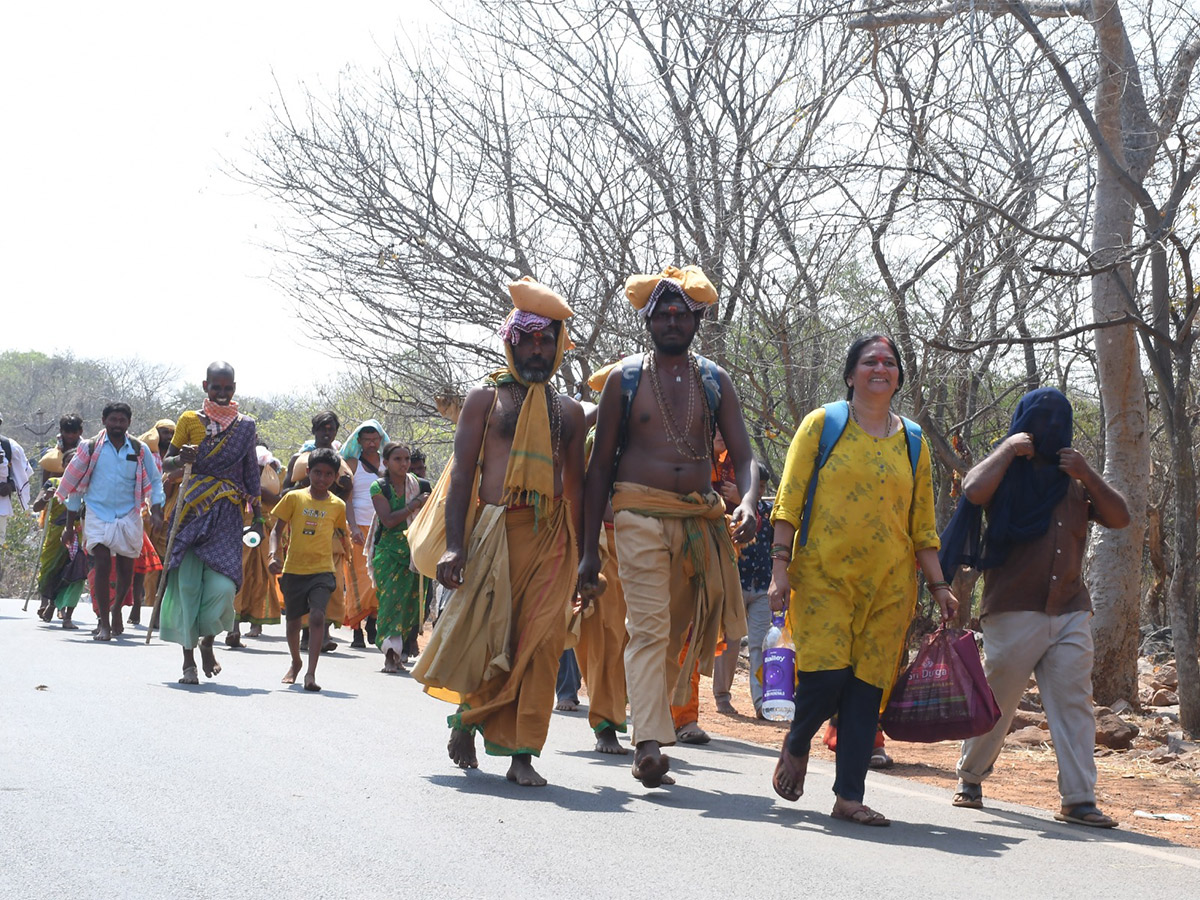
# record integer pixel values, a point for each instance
(677, 435)
(890, 422)
(518, 391)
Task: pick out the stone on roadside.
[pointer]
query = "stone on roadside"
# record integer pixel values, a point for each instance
(1167, 677)
(1030, 736)
(1163, 697)
(1114, 732)
(1121, 707)
(1024, 719)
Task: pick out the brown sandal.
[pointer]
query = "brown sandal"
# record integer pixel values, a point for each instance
(796, 771)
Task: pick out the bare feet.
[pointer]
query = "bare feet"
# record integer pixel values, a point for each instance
(606, 742)
(292, 672)
(118, 625)
(46, 613)
(233, 640)
(725, 708)
(101, 633)
(255, 631)
(135, 614)
(650, 765)
(461, 748)
(788, 780)
(523, 773)
(208, 659)
(67, 624)
(310, 683)
(392, 664)
(566, 706)
(189, 676)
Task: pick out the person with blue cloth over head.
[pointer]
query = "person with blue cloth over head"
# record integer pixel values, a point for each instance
(1039, 493)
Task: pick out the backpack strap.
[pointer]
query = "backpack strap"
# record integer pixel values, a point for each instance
(6, 448)
(710, 379)
(836, 416)
(913, 436)
(631, 377)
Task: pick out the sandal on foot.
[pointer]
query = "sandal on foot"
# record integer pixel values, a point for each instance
(880, 759)
(796, 771)
(190, 675)
(864, 815)
(1086, 814)
(968, 796)
(692, 734)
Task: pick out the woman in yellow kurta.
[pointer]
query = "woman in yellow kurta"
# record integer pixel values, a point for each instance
(852, 588)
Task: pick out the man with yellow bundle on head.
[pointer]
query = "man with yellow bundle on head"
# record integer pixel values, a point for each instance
(496, 647)
(653, 451)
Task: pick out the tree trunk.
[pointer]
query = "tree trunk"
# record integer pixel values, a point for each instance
(1114, 574)
(1181, 599)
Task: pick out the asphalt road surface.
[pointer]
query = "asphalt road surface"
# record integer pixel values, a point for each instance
(117, 782)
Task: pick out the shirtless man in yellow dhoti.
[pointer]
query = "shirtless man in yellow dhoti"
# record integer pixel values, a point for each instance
(497, 644)
(653, 451)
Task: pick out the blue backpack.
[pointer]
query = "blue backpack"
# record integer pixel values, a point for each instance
(631, 377)
(836, 416)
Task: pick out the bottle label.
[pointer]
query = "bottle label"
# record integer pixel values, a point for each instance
(779, 674)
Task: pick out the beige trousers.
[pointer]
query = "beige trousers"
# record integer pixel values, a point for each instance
(659, 601)
(1058, 651)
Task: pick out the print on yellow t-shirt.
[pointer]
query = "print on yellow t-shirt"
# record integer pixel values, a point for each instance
(312, 523)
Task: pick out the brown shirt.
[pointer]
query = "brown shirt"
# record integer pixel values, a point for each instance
(1046, 574)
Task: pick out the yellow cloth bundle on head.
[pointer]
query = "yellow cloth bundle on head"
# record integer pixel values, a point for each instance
(690, 279)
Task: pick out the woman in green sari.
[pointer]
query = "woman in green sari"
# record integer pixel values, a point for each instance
(397, 498)
(55, 591)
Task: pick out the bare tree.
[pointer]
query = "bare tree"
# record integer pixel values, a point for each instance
(1143, 169)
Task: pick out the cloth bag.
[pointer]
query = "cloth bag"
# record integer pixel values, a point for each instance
(943, 695)
(427, 530)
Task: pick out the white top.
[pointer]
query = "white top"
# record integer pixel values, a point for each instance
(21, 471)
(360, 496)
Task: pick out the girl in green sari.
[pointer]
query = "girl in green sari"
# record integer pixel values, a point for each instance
(397, 498)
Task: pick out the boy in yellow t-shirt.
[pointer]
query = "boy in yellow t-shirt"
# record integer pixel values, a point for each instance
(307, 580)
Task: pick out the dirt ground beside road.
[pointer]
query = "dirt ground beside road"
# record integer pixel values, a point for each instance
(1025, 775)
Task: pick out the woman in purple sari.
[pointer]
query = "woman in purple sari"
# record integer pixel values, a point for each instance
(205, 564)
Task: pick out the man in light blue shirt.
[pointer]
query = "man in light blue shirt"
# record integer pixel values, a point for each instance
(113, 475)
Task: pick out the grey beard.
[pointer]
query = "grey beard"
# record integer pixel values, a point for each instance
(534, 376)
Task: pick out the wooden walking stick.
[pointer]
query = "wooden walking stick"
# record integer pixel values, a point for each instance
(34, 583)
(175, 517)
(349, 545)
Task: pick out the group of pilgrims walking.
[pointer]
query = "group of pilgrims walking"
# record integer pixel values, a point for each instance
(633, 530)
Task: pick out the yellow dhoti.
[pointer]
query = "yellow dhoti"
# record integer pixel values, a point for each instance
(679, 575)
(512, 704)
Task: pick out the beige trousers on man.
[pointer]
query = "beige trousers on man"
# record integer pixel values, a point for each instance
(660, 600)
(1058, 651)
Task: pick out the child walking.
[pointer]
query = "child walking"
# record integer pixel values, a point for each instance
(397, 498)
(312, 514)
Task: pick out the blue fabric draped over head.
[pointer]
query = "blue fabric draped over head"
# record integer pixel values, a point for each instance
(1021, 508)
(352, 449)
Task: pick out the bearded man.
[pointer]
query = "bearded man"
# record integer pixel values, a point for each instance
(496, 646)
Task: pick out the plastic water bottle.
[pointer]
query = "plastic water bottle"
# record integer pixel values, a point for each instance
(250, 537)
(778, 672)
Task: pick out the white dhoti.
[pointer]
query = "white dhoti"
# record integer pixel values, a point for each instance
(122, 537)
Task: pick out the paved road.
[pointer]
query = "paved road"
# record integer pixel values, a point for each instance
(117, 782)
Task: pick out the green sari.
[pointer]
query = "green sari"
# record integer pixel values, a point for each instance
(396, 584)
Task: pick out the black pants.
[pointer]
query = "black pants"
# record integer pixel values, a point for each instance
(818, 696)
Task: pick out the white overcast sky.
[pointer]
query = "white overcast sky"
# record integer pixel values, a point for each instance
(121, 233)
